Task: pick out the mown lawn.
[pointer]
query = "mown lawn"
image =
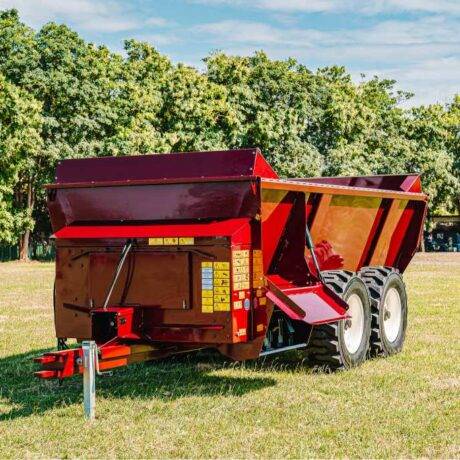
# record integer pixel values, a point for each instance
(204, 406)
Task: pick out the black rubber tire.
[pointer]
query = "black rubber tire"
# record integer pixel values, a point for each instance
(378, 281)
(327, 347)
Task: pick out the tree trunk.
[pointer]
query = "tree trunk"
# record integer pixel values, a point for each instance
(422, 243)
(24, 239)
(24, 246)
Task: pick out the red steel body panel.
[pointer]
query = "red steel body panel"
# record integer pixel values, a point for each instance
(171, 166)
(208, 229)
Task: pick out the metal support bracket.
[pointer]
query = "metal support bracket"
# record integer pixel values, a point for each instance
(124, 253)
(89, 378)
(311, 247)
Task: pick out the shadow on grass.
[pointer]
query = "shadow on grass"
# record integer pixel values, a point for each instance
(184, 375)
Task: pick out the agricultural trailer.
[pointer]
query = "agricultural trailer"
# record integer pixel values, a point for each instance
(163, 254)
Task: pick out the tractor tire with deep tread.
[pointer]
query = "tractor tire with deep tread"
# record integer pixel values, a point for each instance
(327, 348)
(381, 281)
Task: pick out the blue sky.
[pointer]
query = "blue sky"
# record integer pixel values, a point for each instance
(416, 42)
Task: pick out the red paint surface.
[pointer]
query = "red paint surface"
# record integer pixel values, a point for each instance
(405, 183)
(244, 162)
(209, 229)
(315, 304)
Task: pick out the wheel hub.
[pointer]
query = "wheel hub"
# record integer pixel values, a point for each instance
(354, 326)
(392, 314)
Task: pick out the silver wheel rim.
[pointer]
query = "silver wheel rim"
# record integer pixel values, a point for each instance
(354, 326)
(392, 314)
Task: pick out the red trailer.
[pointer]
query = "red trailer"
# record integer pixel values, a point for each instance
(162, 254)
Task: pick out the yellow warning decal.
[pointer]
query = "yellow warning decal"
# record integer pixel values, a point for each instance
(215, 286)
(260, 327)
(207, 300)
(207, 288)
(186, 240)
(241, 332)
(207, 308)
(171, 241)
(155, 241)
(221, 298)
(221, 306)
(222, 265)
(240, 270)
(257, 267)
(222, 274)
(221, 282)
(241, 277)
(240, 262)
(240, 286)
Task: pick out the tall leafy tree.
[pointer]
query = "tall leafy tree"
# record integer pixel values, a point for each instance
(20, 158)
(271, 107)
(76, 84)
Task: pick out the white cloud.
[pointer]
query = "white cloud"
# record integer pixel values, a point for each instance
(422, 56)
(93, 15)
(340, 6)
(158, 22)
(107, 16)
(158, 39)
(230, 31)
(309, 6)
(431, 79)
(429, 6)
(386, 36)
(108, 25)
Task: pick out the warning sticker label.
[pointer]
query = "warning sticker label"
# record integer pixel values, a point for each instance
(215, 286)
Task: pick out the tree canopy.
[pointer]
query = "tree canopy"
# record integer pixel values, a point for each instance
(61, 97)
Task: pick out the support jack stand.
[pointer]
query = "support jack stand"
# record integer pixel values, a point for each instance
(89, 378)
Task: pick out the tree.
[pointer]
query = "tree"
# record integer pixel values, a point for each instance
(271, 107)
(20, 157)
(362, 130)
(77, 85)
(167, 107)
(435, 131)
(452, 120)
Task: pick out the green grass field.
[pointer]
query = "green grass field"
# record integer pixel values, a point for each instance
(204, 406)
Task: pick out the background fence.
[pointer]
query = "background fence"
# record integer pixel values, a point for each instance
(37, 251)
(438, 240)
